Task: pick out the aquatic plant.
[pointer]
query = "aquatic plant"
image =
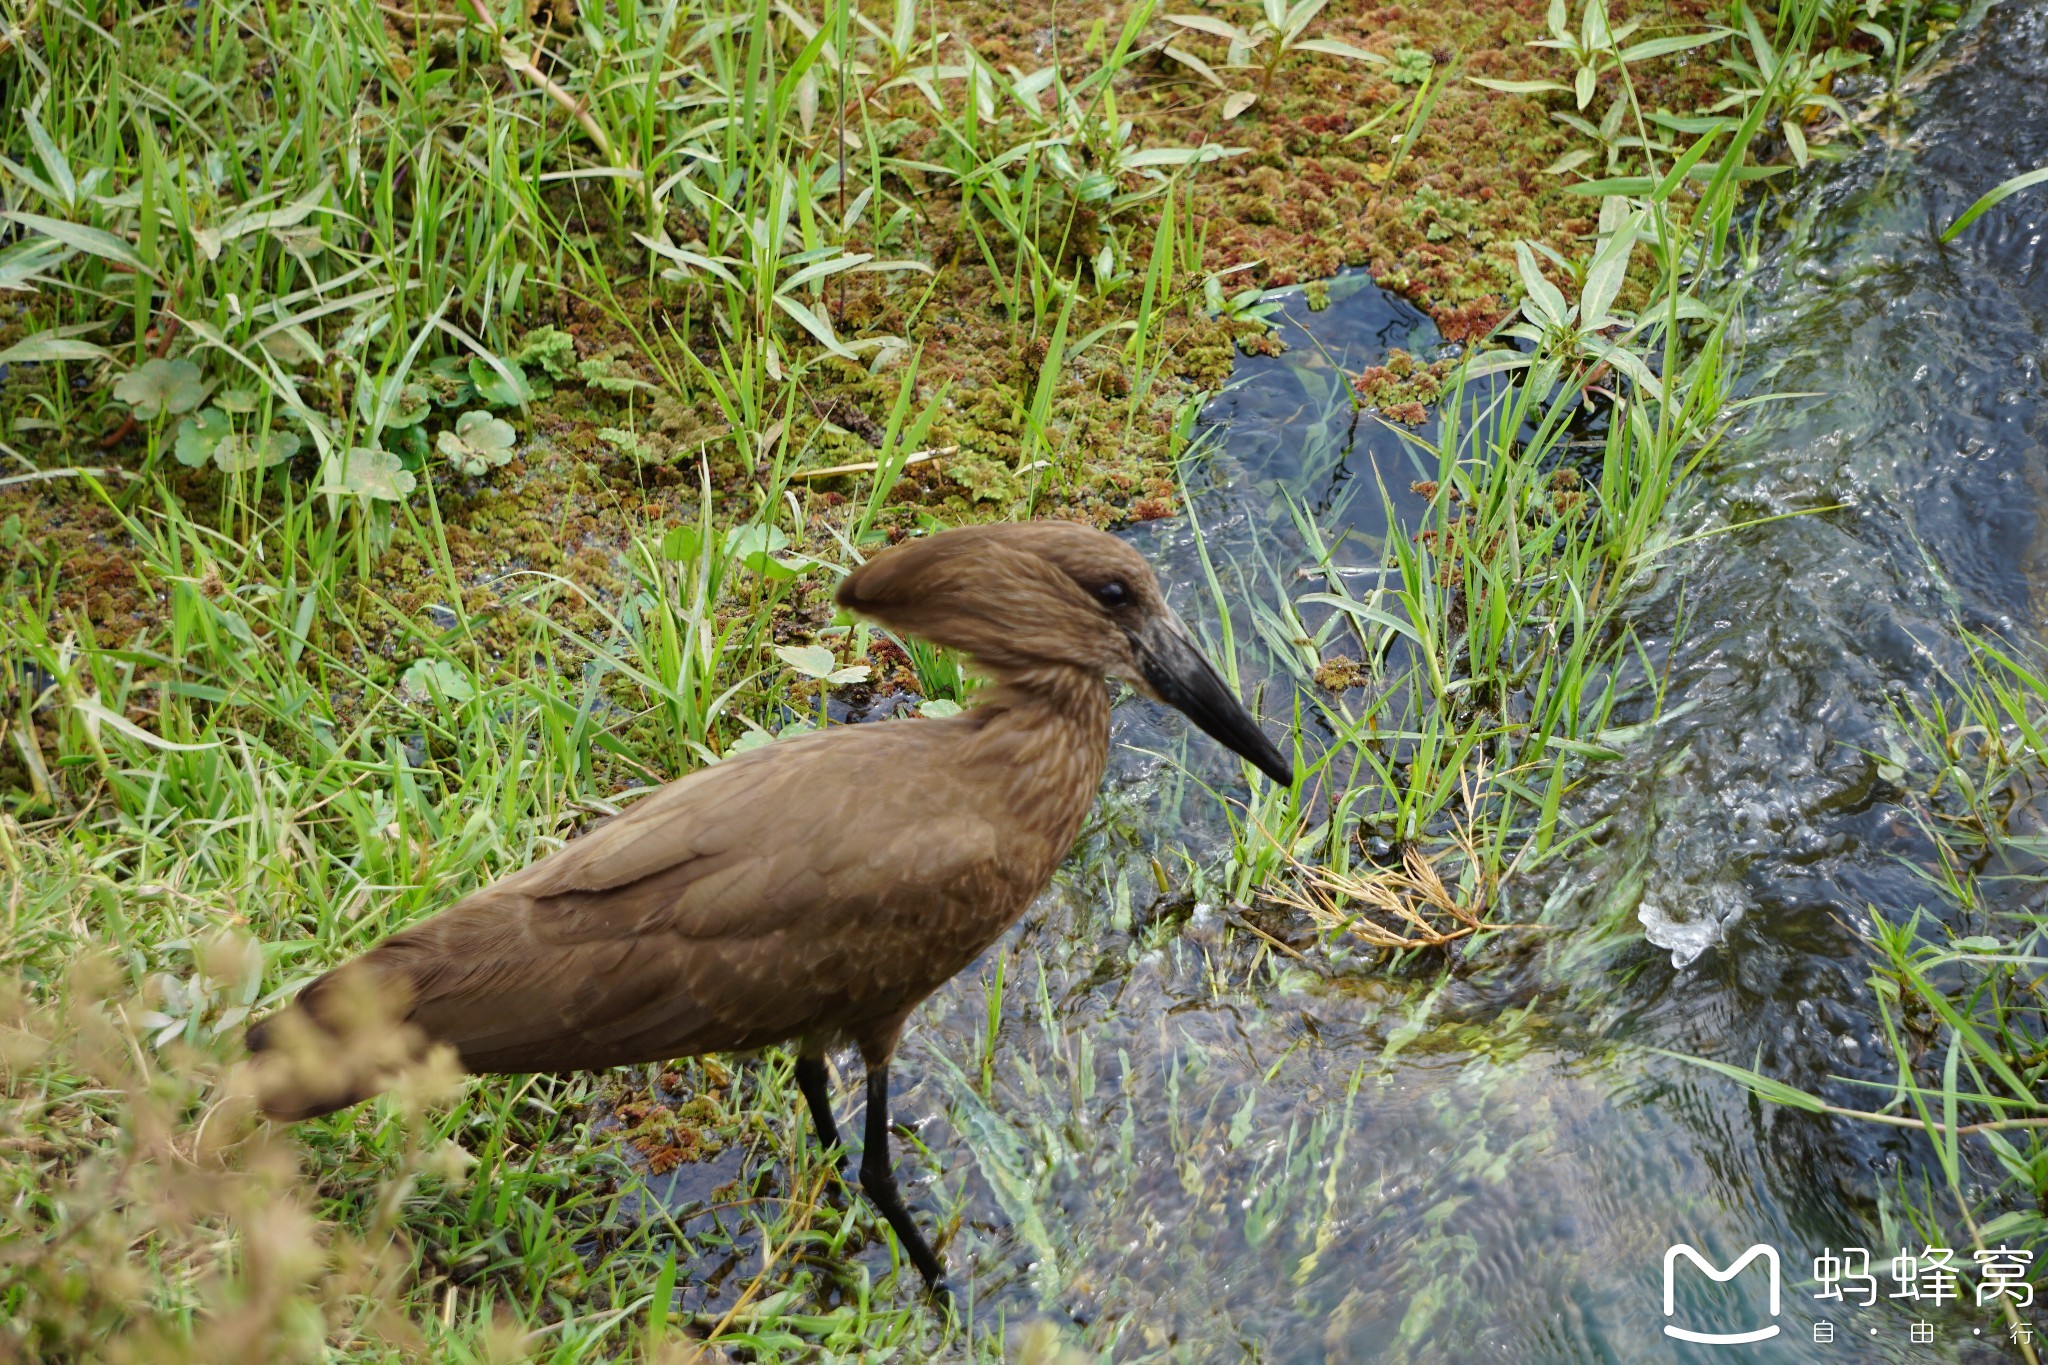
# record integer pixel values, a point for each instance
(1279, 31)
(1595, 46)
(1991, 199)
(1490, 638)
(1801, 80)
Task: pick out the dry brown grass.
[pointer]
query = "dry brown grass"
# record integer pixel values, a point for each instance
(1411, 906)
(193, 1236)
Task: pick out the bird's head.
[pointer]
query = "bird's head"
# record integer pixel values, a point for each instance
(1020, 598)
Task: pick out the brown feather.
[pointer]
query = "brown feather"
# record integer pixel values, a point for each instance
(813, 889)
(794, 891)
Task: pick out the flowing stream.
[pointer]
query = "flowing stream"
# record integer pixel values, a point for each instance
(1177, 1143)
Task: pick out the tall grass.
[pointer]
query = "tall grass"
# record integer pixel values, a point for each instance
(275, 810)
(1493, 640)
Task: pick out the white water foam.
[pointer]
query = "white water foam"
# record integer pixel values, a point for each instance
(1697, 920)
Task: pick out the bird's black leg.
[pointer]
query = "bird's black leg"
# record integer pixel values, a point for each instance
(879, 1181)
(811, 1078)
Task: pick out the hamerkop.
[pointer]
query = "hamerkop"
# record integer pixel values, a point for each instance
(813, 890)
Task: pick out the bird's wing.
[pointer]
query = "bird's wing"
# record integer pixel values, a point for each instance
(733, 908)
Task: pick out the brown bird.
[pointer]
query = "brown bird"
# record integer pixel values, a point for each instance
(813, 890)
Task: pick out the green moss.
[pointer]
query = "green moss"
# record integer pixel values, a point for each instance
(1410, 66)
(1401, 389)
(615, 450)
(550, 348)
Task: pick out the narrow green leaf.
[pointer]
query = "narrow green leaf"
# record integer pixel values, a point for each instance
(1777, 1092)
(1180, 156)
(55, 165)
(1629, 363)
(1351, 606)
(1546, 298)
(813, 323)
(47, 346)
(91, 240)
(819, 270)
(1569, 162)
(1518, 87)
(1202, 23)
(1620, 184)
(1194, 64)
(1882, 35)
(1795, 138)
(1483, 363)
(97, 715)
(1664, 47)
(1331, 47)
(1683, 166)
(1297, 18)
(1992, 199)
(1605, 275)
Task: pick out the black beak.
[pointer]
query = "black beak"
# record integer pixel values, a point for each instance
(1186, 681)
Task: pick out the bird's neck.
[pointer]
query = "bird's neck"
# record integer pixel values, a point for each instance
(1048, 729)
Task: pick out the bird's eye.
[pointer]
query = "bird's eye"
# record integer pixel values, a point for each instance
(1112, 594)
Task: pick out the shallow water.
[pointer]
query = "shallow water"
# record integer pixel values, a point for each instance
(1182, 1143)
(1202, 1145)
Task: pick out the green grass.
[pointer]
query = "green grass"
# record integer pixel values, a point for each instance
(291, 249)
(1492, 648)
(215, 871)
(310, 237)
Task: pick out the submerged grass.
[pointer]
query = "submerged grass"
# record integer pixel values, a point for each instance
(1958, 984)
(303, 642)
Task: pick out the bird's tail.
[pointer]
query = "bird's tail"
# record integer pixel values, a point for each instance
(343, 1040)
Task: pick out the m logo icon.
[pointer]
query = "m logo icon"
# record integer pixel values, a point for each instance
(1770, 1257)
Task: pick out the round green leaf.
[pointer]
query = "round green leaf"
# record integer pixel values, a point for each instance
(478, 443)
(681, 543)
(367, 472)
(812, 661)
(403, 404)
(161, 387)
(199, 435)
(448, 380)
(237, 454)
(494, 388)
(437, 680)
